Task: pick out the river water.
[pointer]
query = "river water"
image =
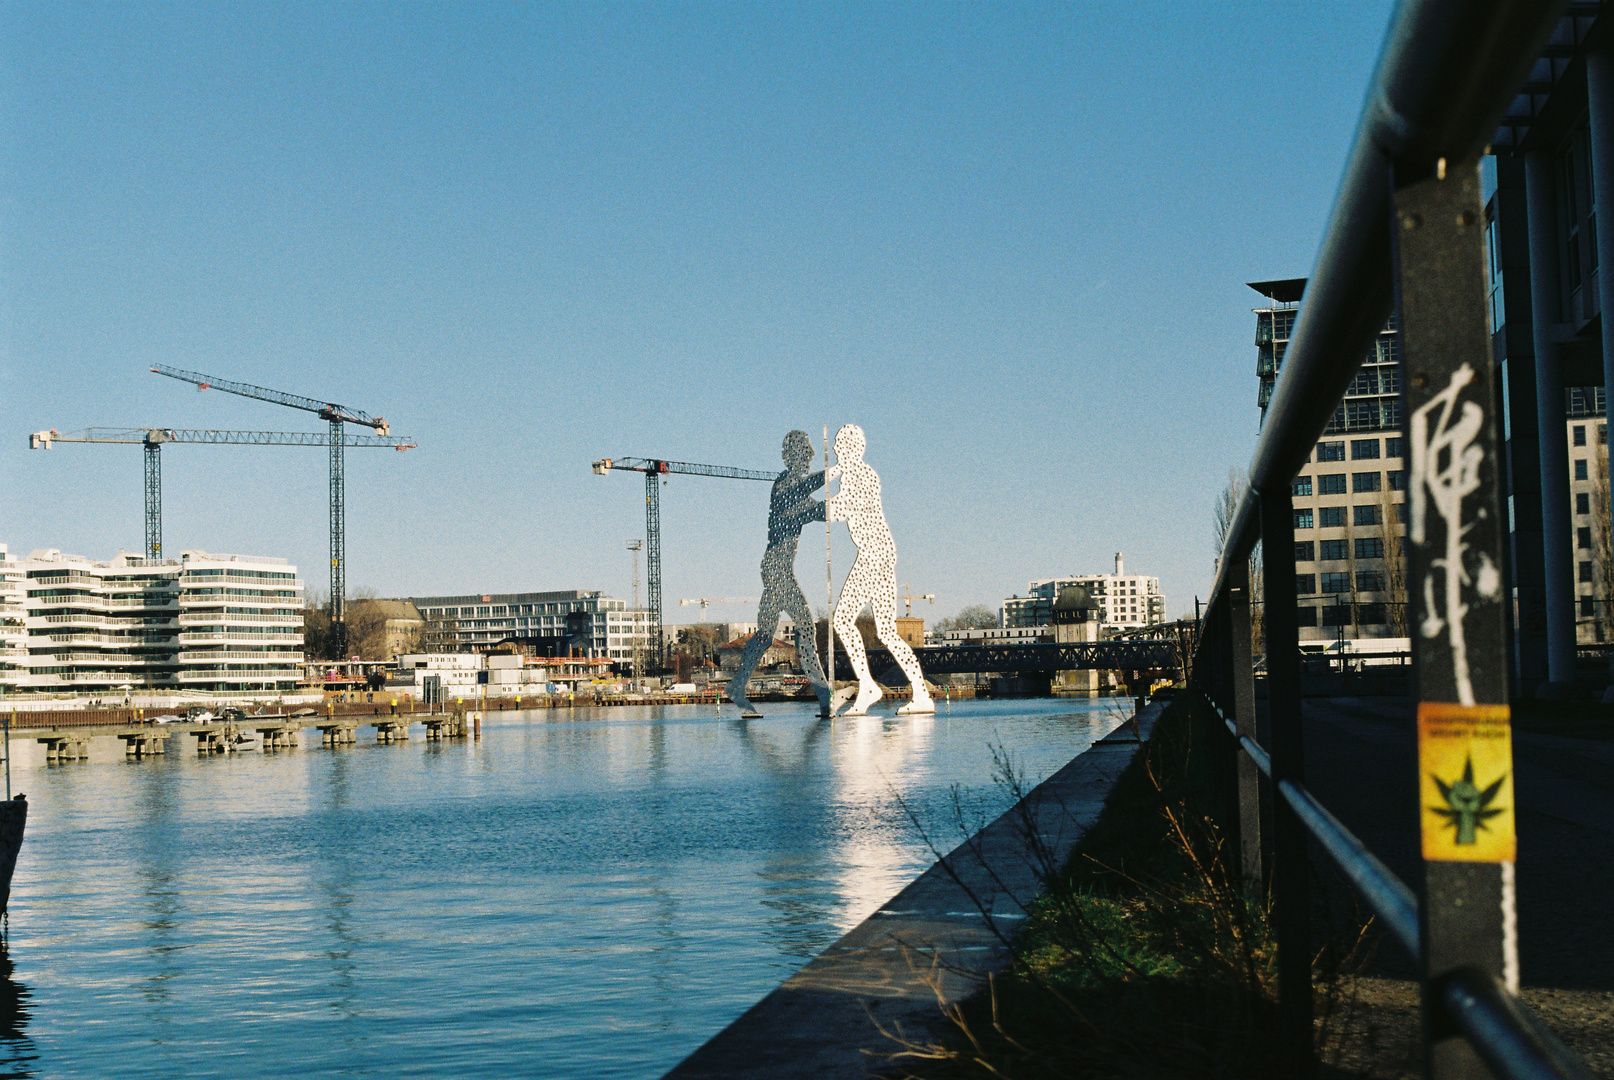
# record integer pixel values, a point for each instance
(579, 894)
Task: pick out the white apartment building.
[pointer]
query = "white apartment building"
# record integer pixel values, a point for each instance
(199, 622)
(13, 630)
(1124, 601)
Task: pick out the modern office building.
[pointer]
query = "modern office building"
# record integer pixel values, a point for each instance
(1554, 350)
(1123, 601)
(479, 621)
(1586, 433)
(1350, 499)
(199, 622)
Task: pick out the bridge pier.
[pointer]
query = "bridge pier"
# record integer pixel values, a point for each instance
(338, 733)
(142, 744)
(391, 729)
(60, 749)
(278, 736)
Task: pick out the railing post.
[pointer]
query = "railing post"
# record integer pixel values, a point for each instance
(1242, 671)
(1455, 540)
(1291, 870)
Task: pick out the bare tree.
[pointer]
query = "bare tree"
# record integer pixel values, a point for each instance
(1227, 508)
(1395, 562)
(1223, 515)
(1602, 542)
(974, 617)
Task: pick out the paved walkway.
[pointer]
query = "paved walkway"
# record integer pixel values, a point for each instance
(930, 940)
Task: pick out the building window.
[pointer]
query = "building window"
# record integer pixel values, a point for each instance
(1583, 537)
(1369, 581)
(1337, 615)
(1368, 515)
(1300, 486)
(1331, 517)
(1580, 468)
(1579, 434)
(1370, 547)
(1392, 446)
(1583, 503)
(1305, 584)
(1304, 551)
(1331, 484)
(1306, 616)
(1588, 607)
(1330, 451)
(1371, 614)
(1366, 382)
(1302, 519)
(1335, 549)
(1396, 480)
(1363, 449)
(1364, 481)
(1586, 571)
(1337, 583)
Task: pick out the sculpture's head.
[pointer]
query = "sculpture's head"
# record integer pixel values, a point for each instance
(798, 450)
(849, 443)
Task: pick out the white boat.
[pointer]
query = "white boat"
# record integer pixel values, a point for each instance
(167, 718)
(244, 740)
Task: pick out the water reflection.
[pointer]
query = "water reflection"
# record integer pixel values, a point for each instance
(17, 1052)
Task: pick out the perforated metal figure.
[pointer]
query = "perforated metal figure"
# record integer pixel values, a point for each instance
(873, 579)
(792, 507)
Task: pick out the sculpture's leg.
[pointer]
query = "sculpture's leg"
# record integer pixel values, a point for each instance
(853, 597)
(807, 646)
(767, 623)
(885, 624)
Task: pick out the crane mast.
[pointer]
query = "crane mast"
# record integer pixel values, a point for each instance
(336, 415)
(654, 469)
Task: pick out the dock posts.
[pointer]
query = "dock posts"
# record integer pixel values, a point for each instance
(478, 721)
(60, 749)
(138, 744)
(338, 733)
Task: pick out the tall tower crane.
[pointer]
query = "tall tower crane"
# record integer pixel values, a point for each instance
(908, 597)
(337, 416)
(704, 600)
(654, 469)
(153, 438)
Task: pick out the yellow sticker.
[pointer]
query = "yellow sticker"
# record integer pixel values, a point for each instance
(1465, 785)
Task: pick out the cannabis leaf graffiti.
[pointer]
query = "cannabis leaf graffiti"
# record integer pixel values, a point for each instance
(1467, 808)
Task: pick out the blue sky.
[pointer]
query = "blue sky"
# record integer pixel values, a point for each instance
(1009, 241)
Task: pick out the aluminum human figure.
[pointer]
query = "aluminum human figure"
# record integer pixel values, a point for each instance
(792, 507)
(873, 578)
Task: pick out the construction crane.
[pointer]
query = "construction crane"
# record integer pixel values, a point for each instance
(908, 598)
(153, 438)
(337, 416)
(654, 469)
(704, 600)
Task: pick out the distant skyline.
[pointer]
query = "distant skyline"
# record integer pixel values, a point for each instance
(1010, 242)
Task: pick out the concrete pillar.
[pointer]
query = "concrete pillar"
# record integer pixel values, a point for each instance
(1600, 99)
(1557, 535)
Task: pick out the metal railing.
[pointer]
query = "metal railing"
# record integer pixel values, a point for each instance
(1406, 234)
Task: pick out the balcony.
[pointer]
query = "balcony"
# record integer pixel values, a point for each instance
(247, 638)
(273, 658)
(290, 673)
(194, 617)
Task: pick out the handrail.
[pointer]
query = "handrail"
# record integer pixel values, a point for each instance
(1391, 899)
(1510, 1040)
(1444, 79)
